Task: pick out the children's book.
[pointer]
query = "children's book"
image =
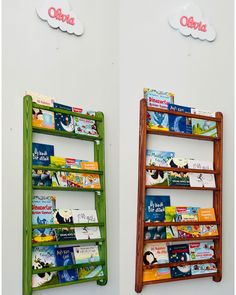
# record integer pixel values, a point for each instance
(87, 233)
(199, 269)
(206, 214)
(86, 254)
(43, 257)
(202, 180)
(186, 214)
(42, 213)
(188, 231)
(82, 111)
(170, 213)
(65, 257)
(178, 178)
(85, 127)
(203, 113)
(41, 177)
(59, 179)
(42, 118)
(74, 179)
(64, 122)
(154, 232)
(84, 216)
(179, 123)
(158, 99)
(172, 232)
(208, 230)
(196, 164)
(204, 127)
(58, 162)
(42, 153)
(155, 253)
(41, 99)
(89, 165)
(156, 177)
(157, 121)
(91, 181)
(155, 208)
(62, 216)
(158, 158)
(202, 250)
(90, 272)
(154, 274)
(179, 253)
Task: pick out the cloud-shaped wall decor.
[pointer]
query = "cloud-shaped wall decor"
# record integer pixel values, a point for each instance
(58, 14)
(189, 21)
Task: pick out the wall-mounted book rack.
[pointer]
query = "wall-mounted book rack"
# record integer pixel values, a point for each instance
(100, 198)
(142, 190)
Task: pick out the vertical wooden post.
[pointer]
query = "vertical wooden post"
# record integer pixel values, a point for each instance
(27, 198)
(217, 195)
(141, 196)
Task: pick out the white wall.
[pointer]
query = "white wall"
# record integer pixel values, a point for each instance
(80, 71)
(200, 74)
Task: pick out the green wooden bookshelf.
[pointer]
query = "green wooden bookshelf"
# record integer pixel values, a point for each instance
(100, 197)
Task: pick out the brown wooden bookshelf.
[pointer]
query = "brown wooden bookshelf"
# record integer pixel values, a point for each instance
(144, 131)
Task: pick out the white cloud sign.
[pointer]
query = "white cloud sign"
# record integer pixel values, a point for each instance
(189, 21)
(58, 14)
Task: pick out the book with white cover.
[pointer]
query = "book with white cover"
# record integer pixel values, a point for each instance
(85, 254)
(196, 164)
(87, 233)
(84, 216)
(202, 180)
(203, 112)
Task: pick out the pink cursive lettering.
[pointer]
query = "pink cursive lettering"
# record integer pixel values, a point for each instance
(57, 14)
(192, 24)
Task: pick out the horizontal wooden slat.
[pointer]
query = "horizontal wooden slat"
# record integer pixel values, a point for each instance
(173, 264)
(182, 187)
(181, 239)
(57, 188)
(182, 170)
(67, 225)
(67, 170)
(174, 223)
(69, 242)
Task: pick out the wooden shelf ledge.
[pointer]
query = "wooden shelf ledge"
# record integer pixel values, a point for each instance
(58, 188)
(181, 239)
(67, 225)
(69, 242)
(182, 187)
(176, 223)
(182, 170)
(72, 170)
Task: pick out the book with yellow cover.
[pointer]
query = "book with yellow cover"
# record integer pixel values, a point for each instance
(58, 162)
(89, 165)
(188, 231)
(42, 119)
(156, 274)
(206, 214)
(91, 181)
(170, 213)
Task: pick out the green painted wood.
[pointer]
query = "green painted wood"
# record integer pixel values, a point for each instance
(70, 283)
(64, 134)
(100, 199)
(69, 242)
(74, 266)
(27, 196)
(49, 168)
(56, 188)
(67, 225)
(56, 110)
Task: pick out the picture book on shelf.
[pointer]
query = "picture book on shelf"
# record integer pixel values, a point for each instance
(158, 121)
(65, 257)
(91, 181)
(199, 269)
(196, 164)
(82, 111)
(85, 127)
(202, 180)
(179, 123)
(178, 178)
(156, 177)
(74, 179)
(172, 232)
(41, 177)
(206, 214)
(158, 99)
(58, 162)
(41, 99)
(43, 257)
(63, 122)
(64, 216)
(154, 274)
(84, 216)
(59, 179)
(208, 230)
(89, 165)
(158, 158)
(155, 207)
(202, 112)
(186, 214)
(202, 250)
(204, 127)
(188, 231)
(179, 253)
(155, 253)
(42, 118)
(41, 154)
(87, 233)
(86, 254)
(170, 213)
(90, 272)
(154, 232)
(42, 213)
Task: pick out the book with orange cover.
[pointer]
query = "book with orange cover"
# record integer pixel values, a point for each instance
(208, 230)
(156, 274)
(206, 214)
(89, 165)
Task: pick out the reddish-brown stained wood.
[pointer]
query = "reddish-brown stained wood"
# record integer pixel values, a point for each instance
(180, 223)
(182, 170)
(181, 239)
(183, 187)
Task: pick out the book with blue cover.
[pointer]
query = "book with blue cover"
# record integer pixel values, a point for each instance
(155, 208)
(64, 257)
(154, 232)
(41, 177)
(157, 121)
(179, 253)
(63, 122)
(41, 154)
(179, 123)
(159, 158)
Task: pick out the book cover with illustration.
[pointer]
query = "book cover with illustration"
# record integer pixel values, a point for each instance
(179, 253)
(74, 179)
(158, 158)
(41, 154)
(65, 257)
(155, 208)
(172, 232)
(58, 162)
(199, 269)
(90, 272)
(170, 213)
(64, 122)
(157, 98)
(87, 233)
(186, 214)
(83, 111)
(158, 121)
(180, 123)
(208, 230)
(188, 231)
(206, 214)
(41, 177)
(155, 253)
(59, 179)
(196, 164)
(84, 216)
(202, 250)
(42, 119)
(86, 254)
(156, 177)
(154, 232)
(202, 180)
(178, 178)
(203, 112)
(73, 163)
(154, 274)
(41, 99)
(43, 257)
(91, 181)
(42, 213)
(204, 127)
(85, 127)
(64, 216)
